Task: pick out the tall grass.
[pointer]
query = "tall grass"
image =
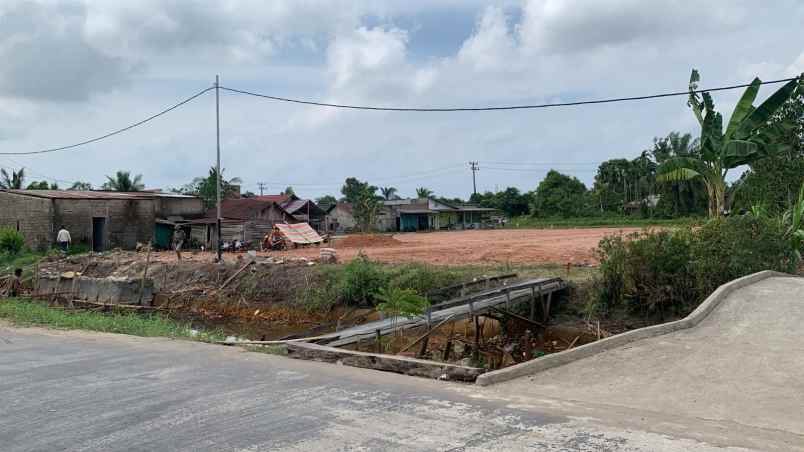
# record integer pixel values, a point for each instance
(28, 313)
(596, 222)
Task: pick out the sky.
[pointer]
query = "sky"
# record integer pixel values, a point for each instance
(74, 70)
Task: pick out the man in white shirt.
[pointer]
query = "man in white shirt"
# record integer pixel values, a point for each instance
(63, 239)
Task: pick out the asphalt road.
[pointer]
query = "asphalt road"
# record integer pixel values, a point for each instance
(100, 392)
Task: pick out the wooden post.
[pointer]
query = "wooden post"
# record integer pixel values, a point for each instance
(527, 345)
(426, 340)
(532, 303)
(476, 351)
(448, 346)
(507, 298)
(379, 341)
(144, 274)
(36, 280)
(547, 307)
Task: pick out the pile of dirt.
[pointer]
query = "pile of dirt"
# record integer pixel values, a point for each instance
(368, 241)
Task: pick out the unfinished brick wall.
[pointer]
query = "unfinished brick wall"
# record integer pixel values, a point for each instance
(31, 216)
(127, 221)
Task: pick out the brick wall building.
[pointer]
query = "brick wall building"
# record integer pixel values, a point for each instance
(100, 219)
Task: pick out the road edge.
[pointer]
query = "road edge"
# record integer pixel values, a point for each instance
(559, 359)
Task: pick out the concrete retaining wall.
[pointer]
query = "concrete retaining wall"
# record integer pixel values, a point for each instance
(104, 290)
(584, 351)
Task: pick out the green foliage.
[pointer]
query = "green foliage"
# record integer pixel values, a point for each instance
(354, 190)
(360, 281)
(793, 221)
(42, 185)
(423, 192)
(732, 247)
(34, 313)
(122, 181)
(289, 191)
(511, 201)
(774, 180)
(670, 271)
(11, 241)
(395, 301)
(749, 136)
(365, 203)
(326, 201)
(559, 195)
(80, 186)
(592, 221)
(388, 193)
(13, 181)
(206, 187)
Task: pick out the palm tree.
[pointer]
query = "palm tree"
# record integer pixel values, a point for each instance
(388, 192)
(12, 181)
(81, 186)
(124, 182)
(747, 138)
(423, 192)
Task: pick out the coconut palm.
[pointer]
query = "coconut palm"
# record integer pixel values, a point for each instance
(12, 181)
(423, 192)
(122, 181)
(747, 138)
(388, 192)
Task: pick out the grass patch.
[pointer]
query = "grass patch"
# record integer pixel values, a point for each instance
(30, 313)
(527, 222)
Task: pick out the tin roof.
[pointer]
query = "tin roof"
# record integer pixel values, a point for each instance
(279, 199)
(79, 194)
(242, 208)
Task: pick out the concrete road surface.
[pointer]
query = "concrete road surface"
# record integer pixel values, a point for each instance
(100, 392)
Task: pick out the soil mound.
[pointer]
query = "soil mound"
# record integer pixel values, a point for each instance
(367, 241)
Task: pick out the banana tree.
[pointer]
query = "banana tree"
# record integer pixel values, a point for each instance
(747, 138)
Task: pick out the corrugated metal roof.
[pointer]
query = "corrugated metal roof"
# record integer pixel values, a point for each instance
(242, 208)
(70, 194)
(279, 199)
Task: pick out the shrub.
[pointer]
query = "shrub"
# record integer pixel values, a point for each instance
(421, 278)
(360, 280)
(729, 248)
(11, 241)
(656, 273)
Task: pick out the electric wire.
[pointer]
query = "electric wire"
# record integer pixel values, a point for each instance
(115, 132)
(504, 107)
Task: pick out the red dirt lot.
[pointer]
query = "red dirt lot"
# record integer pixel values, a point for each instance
(516, 246)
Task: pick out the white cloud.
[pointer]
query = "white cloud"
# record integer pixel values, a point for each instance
(125, 60)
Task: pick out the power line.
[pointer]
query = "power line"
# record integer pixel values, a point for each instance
(115, 132)
(506, 107)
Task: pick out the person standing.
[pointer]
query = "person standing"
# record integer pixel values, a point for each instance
(178, 240)
(63, 239)
(16, 284)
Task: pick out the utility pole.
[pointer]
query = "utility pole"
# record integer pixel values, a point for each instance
(262, 186)
(475, 168)
(218, 164)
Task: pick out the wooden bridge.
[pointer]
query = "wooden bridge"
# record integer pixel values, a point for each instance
(536, 292)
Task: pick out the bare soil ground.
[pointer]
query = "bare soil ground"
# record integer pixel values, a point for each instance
(515, 246)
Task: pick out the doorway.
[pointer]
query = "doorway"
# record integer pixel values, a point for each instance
(98, 234)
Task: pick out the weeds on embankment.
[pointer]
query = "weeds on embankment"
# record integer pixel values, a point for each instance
(528, 222)
(32, 313)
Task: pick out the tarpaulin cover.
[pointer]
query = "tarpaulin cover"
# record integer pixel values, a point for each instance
(300, 233)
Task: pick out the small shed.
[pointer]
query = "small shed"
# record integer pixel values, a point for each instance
(244, 219)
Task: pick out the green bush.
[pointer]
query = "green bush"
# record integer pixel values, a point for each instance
(669, 272)
(11, 241)
(729, 248)
(360, 280)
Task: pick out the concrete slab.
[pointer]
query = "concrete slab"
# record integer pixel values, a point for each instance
(743, 364)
